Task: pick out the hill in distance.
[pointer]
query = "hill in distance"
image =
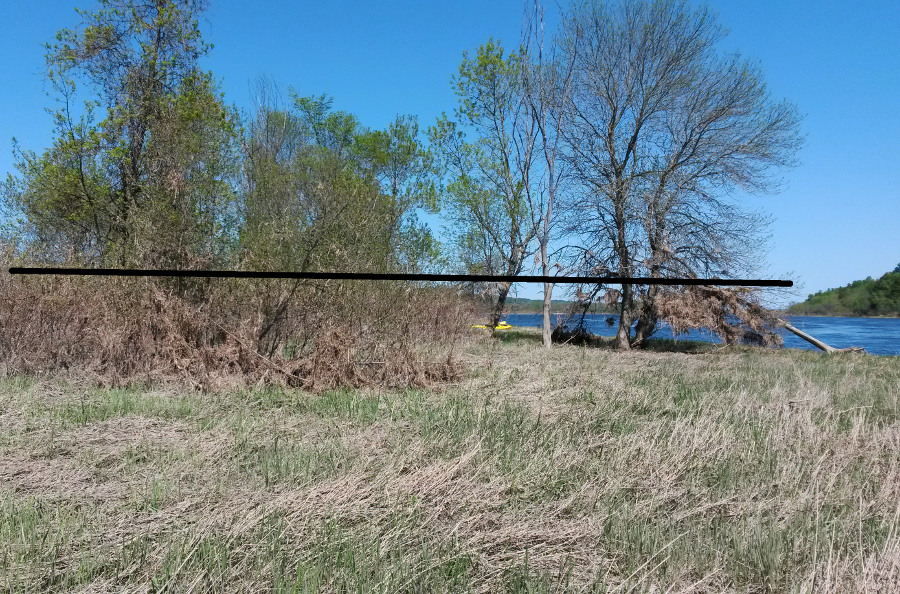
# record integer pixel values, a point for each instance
(869, 297)
(519, 305)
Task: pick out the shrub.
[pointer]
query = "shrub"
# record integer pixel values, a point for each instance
(297, 333)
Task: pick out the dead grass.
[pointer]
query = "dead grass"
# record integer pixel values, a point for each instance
(578, 469)
(231, 332)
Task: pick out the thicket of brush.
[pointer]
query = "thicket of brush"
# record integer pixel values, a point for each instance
(161, 173)
(213, 332)
(732, 313)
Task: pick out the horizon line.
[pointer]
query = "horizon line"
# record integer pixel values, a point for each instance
(601, 280)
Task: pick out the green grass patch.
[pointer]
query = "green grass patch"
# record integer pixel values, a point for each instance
(102, 405)
(573, 469)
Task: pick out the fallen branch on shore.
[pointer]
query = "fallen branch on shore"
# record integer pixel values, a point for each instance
(816, 342)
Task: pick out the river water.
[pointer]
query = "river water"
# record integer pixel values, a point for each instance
(879, 336)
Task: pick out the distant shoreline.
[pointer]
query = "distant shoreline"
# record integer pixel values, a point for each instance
(518, 305)
(793, 315)
(883, 317)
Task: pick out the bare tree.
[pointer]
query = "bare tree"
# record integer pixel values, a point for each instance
(661, 129)
(548, 84)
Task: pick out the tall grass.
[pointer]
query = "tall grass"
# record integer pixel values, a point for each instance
(228, 332)
(581, 469)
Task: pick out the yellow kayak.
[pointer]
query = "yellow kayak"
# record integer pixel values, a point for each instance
(500, 326)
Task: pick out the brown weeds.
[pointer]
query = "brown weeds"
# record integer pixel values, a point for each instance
(227, 332)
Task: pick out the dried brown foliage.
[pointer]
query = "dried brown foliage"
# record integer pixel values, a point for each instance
(710, 307)
(226, 332)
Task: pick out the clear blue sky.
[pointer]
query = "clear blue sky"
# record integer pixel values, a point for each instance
(837, 220)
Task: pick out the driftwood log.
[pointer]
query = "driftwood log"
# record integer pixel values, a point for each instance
(816, 342)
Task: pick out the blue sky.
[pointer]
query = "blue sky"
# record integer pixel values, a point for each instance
(837, 219)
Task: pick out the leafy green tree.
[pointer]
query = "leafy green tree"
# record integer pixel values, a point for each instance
(398, 161)
(324, 192)
(141, 172)
(321, 192)
(488, 187)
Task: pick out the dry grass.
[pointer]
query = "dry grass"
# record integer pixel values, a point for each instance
(210, 334)
(581, 469)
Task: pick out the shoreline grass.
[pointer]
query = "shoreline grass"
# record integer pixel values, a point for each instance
(577, 469)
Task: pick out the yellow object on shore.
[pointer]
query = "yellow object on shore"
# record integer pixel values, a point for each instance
(500, 326)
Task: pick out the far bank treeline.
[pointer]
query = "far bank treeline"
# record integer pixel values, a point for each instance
(869, 297)
(608, 147)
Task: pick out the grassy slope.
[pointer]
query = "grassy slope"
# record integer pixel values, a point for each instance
(732, 470)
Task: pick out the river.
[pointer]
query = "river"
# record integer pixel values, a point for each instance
(879, 336)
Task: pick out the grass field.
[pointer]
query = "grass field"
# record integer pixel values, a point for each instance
(580, 469)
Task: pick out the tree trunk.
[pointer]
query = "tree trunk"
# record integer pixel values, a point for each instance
(626, 316)
(819, 343)
(546, 334)
(646, 326)
(546, 330)
(623, 335)
(647, 318)
(814, 341)
(498, 307)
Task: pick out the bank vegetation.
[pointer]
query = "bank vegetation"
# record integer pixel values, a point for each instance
(609, 146)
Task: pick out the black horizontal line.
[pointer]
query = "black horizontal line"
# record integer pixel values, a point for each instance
(606, 280)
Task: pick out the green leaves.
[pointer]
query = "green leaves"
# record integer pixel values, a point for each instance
(868, 297)
(324, 192)
(155, 170)
(485, 180)
(486, 84)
